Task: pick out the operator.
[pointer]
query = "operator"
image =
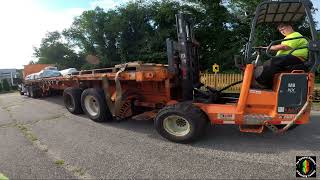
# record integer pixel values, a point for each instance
(278, 64)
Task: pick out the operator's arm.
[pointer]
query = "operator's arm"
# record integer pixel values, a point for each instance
(280, 47)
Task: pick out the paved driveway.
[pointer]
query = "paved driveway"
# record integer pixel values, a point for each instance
(41, 139)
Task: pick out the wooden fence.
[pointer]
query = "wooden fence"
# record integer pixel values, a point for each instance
(219, 81)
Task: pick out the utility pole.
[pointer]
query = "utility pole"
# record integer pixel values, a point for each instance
(11, 76)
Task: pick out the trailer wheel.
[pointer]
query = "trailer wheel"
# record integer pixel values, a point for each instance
(34, 92)
(72, 100)
(28, 91)
(31, 92)
(94, 105)
(182, 122)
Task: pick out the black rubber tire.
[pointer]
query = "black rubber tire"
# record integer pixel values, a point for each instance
(72, 100)
(104, 114)
(34, 92)
(197, 120)
(28, 91)
(21, 93)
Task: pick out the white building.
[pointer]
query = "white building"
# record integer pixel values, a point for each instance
(10, 74)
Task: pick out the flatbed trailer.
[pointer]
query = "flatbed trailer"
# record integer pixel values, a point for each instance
(148, 84)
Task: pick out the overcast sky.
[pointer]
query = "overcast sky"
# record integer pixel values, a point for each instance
(25, 22)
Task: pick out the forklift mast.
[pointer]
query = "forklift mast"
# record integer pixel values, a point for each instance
(183, 59)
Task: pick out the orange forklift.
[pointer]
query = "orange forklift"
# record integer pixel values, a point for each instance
(281, 108)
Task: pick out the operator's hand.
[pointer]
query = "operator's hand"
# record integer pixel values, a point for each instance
(280, 47)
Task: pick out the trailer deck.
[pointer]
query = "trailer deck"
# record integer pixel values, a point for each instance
(148, 84)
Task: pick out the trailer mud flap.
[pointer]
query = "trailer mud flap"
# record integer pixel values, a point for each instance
(105, 84)
(114, 108)
(118, 91)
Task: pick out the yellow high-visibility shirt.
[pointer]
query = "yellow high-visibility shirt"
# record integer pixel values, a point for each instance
(295, 43)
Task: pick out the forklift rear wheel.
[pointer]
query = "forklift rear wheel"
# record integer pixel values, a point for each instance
(182, 122)
(94, 105)
(72, 100)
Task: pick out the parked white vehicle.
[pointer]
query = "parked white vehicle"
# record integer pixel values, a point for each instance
(43, 74)
(53, 68)
(32, 76)
(68, 71)
(49, 73)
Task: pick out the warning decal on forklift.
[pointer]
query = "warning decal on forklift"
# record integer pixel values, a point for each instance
(286, 116)
(254, 91)
(280, 109)
(228, 117)
(292, 88)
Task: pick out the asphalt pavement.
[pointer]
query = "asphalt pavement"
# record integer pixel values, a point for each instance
(41, 139)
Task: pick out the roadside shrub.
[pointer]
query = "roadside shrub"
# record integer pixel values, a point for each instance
(14, 88)
(1, 87)
(5, 85)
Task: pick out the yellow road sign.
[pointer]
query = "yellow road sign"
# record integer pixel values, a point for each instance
(215, 68)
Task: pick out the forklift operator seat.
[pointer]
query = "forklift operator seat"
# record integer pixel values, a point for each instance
(305, 66)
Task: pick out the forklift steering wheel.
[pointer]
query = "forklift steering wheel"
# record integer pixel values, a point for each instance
(260, 49)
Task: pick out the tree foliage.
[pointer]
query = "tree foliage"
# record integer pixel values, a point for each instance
(137, 31)
(54, 51)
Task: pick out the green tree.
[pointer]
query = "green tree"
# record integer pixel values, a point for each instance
(95, 33)
(214, 32)
(136, 32)
(52, 50)
(163, 23)
(5, 85)
(121, 35)
(31, 62)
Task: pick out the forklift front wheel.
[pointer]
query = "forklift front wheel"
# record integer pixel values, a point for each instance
(181, 123)
(176, 125)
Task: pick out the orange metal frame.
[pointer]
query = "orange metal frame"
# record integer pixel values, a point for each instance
(254, 102)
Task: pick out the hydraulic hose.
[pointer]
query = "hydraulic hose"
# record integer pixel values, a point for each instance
(303, 109)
